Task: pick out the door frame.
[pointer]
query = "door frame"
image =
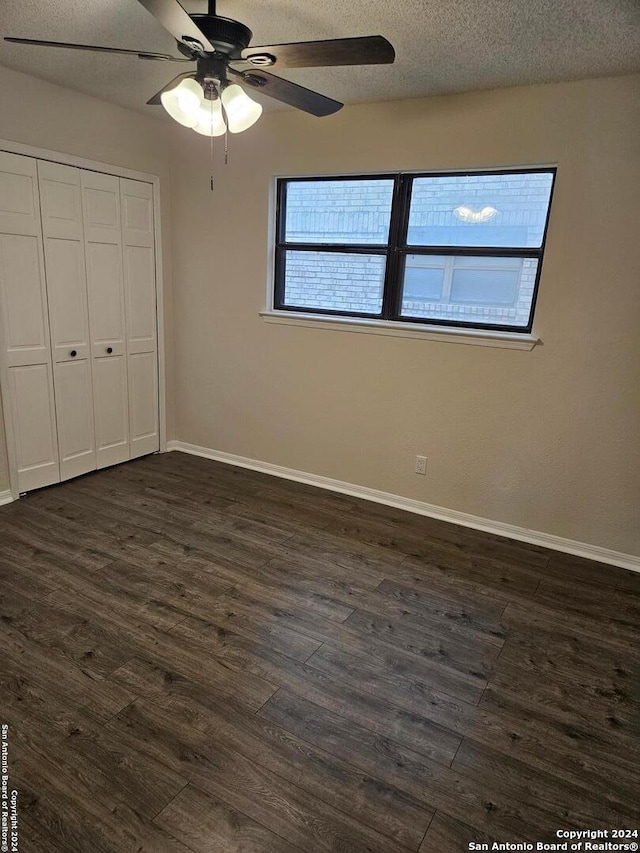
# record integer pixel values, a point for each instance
(119, 172)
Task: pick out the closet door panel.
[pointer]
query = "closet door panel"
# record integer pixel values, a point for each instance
(111, 410)
(140, 308)
(61, 208)
(101, 204)
(105, 289)
(74, 414)
(61, 205)
(33, 406)
(24, 330)
(60, 201)
(140, 288)
(143, 388)
(19, 202)
(67, 298)
(104, 282)
(137, 213)
(24, 308)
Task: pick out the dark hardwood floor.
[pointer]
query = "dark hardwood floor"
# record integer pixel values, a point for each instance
(196, 657)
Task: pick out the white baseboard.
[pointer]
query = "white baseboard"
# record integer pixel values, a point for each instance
(499, 528)
(5, 497)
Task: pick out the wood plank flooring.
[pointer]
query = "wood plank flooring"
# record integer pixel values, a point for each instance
(195, 657)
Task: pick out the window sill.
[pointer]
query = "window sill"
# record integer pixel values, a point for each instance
(444, 334)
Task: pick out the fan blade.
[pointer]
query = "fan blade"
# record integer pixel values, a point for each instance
(141, 54)
(289, 93)
(365, 50)
(155, 101)
(177, 21)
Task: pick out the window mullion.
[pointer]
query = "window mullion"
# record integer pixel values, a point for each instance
(395, 254)
(339, 248)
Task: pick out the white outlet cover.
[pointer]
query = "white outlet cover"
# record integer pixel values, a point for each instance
(421, 465)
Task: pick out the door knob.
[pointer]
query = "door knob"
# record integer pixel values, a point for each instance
(73, 353)
(109, 350)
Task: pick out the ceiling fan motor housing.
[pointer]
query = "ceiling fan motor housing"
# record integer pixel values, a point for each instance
(226, 35)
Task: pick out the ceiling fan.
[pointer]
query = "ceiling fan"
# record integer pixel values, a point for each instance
(213, 98)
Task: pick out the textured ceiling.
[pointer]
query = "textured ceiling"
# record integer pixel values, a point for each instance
(441, 45)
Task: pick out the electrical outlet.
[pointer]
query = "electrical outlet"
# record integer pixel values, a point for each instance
(421, 465)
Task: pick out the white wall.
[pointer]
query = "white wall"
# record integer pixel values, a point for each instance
(37, 113)
(547, 439)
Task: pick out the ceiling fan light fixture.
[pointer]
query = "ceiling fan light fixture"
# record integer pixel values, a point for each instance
(242, 111)
(183, 103)
(190, 94)
(210, 120)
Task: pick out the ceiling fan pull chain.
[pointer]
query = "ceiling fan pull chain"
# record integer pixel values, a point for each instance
(226, 132)
(211, 163)
(211, 145)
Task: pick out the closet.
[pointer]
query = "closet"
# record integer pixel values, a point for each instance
(77, 318)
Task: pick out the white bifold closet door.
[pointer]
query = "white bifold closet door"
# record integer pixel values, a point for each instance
(136, 204)
(61, 208)
(78, 341)
(30, 406)
(105, 289)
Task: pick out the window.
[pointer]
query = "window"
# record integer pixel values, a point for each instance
(448, 249)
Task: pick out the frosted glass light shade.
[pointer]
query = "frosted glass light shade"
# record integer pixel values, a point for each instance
(241, 110)
(183, 103)
(210, 121)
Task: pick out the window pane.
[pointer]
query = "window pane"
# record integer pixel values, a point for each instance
(480, 210)
(334, 281)
(424, 277)
(499, 287)
(490, 281)
(485, 291)
(338, 211)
